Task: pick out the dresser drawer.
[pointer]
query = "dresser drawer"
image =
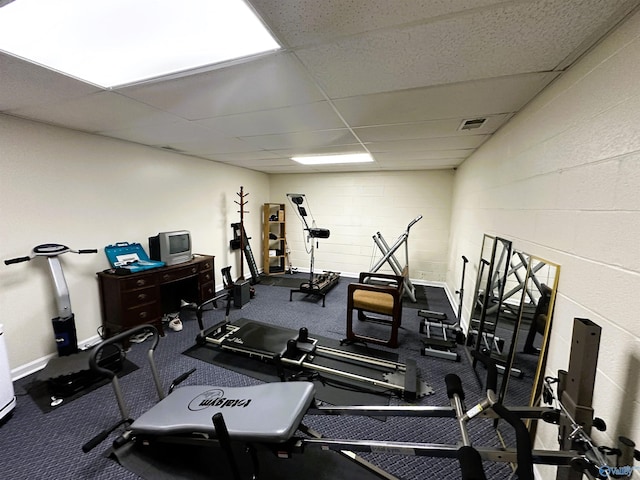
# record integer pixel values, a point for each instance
(179, 273)
(142, 314)
(207, 265)
(207, 291)
(206, 276)
(135, 298)
(138, 282)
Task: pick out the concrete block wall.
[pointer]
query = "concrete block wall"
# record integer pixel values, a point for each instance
(355, 206)
(562, 181)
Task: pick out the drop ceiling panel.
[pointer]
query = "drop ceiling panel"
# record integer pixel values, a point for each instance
(210, 146)
(298, 118)
(273, 81)
(482, 43)
(239, 158)
(305, 22)
(460, 100)
(421, 165)
(97, 112)
(415, 156)
(260, 163)
(161, 134)
(24, 84)
(303, 140)
(427, 144)
(434, 128)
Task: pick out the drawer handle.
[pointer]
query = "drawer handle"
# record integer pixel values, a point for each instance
(142, 296)
(143, 315)
(166, 276)
(207, 266)
(140, 282)
(194, 269)
(207, 276)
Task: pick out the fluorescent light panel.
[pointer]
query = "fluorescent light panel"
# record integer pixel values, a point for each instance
(334, 159)
(118, 42)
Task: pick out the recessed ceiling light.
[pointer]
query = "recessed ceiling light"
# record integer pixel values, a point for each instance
(118, 42)
(334, 159)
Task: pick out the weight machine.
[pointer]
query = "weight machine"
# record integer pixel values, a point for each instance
(317, 285)
(388, 256)
(286, 348)
(267, 416)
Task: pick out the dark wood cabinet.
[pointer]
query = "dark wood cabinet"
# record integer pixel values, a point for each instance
(144, 297)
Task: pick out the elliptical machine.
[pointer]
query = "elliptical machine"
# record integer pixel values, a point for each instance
(70, 371)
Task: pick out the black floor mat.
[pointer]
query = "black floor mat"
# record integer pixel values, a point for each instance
(40, 393)
(168, 461)
(287, 281)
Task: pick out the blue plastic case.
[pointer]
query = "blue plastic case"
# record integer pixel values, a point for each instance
(130, 256)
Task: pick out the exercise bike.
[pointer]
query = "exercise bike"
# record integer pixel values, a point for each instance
(69, 372)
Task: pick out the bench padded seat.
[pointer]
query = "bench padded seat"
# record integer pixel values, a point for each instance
(269, 413)
(379, 302)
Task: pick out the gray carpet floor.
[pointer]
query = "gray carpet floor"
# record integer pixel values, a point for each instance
(36, 445)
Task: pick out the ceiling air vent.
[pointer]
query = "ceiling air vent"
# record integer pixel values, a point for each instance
(472, 124)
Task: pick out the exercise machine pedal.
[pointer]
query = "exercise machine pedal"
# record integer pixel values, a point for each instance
(442, 346)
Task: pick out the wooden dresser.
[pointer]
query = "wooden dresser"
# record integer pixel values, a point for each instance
(144, 297)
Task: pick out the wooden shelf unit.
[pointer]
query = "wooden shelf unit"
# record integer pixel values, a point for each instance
(274, 243)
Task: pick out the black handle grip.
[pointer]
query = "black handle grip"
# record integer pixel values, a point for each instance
(180, 379)
(17, 260)
(454, 386)
(95, 441)
(492, 370)
(470, 464)
(91, 250)
(183, 377)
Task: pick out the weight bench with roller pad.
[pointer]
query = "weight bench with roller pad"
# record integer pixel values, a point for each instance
(270, 415)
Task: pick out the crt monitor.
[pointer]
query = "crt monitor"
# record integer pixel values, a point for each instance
(171, 248)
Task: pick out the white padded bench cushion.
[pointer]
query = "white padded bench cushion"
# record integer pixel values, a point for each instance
(270, 412)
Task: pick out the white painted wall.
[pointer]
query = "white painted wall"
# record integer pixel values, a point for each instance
(562, 180)
(86, 191)
(355, 206)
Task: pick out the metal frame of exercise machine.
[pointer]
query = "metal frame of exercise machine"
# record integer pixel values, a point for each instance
(317, 285)
(441, 346)
(388, 256)
(216, 416)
